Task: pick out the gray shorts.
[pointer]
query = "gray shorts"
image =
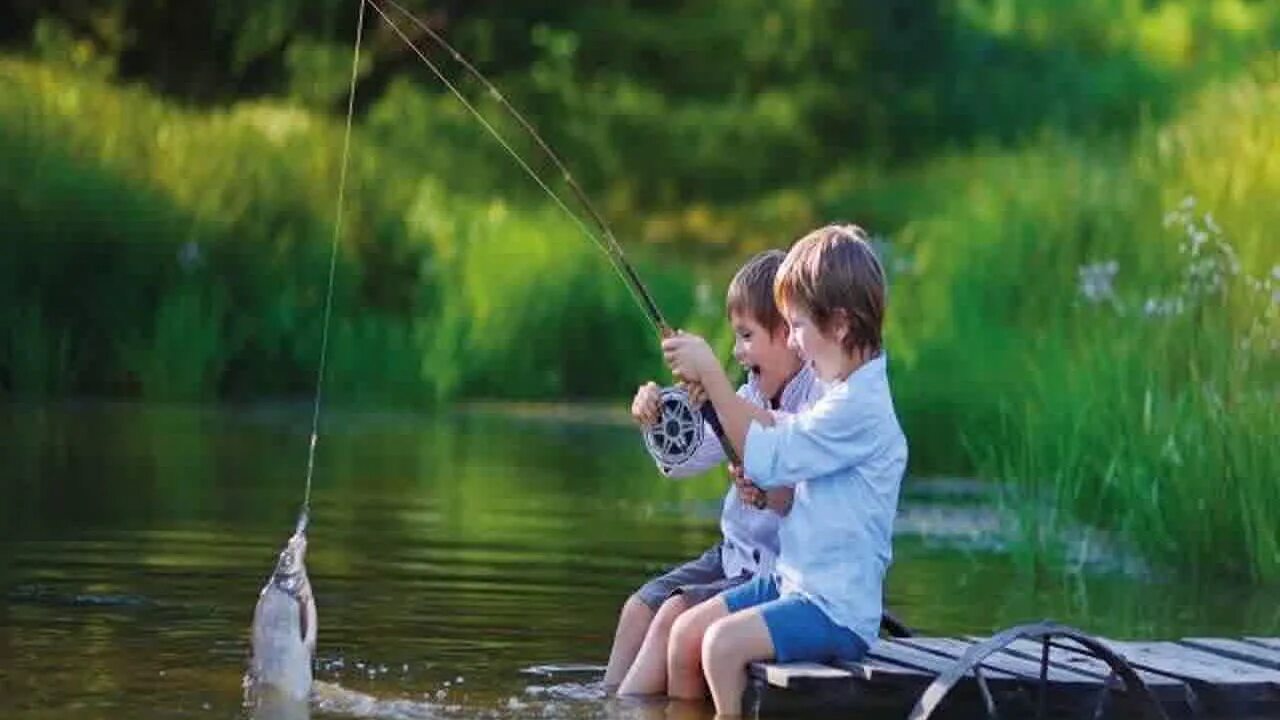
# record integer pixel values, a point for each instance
(697, 580)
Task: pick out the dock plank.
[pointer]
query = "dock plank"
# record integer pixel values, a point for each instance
(1210, 677)
(1165, 688)
(789, 675)
(1233, 679)
(1273, 643)
(896, 652)
(1009, 663)
(1237, 650)
(795, 675)
(876, 670)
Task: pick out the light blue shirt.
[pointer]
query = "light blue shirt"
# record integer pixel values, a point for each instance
(750, 535)
(845, 456)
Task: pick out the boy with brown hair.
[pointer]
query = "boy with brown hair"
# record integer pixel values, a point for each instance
(844, 457)
(646, 658)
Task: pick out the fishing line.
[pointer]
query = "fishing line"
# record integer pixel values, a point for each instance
(610, 245)
(679, 431)
(333, 263)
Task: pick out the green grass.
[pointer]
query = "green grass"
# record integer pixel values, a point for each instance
(1158, 427)
(1154, 427)
(437, 294)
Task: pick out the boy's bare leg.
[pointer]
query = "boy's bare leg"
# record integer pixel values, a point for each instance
(633, 622)
(729, 645)
(684, 650)
(648, 674)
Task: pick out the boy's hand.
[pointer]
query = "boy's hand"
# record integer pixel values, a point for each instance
(697, 393)
(690, 357)
(645, 406)
(747, 490)
(780, 500)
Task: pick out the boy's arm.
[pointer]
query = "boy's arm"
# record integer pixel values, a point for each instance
(779, 500)
(736, 413)
(692, 358)
(832, 435)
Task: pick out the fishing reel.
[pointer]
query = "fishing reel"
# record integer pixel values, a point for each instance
(679, 430)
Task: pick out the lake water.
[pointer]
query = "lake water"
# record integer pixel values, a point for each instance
(465, 565)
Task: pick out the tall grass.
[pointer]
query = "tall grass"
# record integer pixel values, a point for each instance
(1035, 337)
(1161, 424)
(199, 244)
(36, 353)
(186, 350)
(1108, 360)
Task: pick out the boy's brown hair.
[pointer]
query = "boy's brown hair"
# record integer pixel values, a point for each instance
(751, 291)
(834, 276)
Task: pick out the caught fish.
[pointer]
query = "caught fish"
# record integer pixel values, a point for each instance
(284, 630)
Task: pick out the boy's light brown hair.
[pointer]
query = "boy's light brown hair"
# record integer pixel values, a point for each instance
(751, 291)
(834, 276)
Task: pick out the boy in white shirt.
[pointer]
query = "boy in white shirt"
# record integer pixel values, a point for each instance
(639, 662)
(844, 457)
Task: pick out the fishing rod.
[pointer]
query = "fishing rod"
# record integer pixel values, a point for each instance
(605, 239)
(679, 431)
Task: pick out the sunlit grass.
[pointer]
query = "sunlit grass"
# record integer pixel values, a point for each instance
(1035, 336)
(436, 294)
(1108, 359)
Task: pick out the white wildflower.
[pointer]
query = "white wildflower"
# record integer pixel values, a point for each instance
(1213, 226)
(1096, 281)
(1163, 307)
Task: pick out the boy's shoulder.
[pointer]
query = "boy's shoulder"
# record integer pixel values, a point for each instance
(864, 395)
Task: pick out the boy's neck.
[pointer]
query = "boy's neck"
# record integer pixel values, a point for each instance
(775, 399)
(851, 363)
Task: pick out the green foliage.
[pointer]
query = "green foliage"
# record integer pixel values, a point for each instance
(218, 260)
(1084, 350)
(1000, 148)
(185, 353)
(659, 103)
(37, 355)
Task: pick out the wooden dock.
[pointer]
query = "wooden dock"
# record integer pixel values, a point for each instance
(1041, 670)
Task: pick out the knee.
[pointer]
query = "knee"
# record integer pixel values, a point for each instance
(669, 613)
(684, 645)
(635, 613)
(634, 607)
(684, 631)
(720, 647)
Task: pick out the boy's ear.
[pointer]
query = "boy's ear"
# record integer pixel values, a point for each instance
(840, 324)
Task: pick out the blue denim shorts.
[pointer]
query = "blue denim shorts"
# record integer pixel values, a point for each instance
(799, 629)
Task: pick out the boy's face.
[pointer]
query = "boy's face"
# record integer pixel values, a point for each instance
(766, 356)
(825, 352)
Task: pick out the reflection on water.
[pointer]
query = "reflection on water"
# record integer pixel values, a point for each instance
(464, 566)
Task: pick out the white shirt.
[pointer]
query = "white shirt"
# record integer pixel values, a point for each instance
(845, 456)
(750, 535)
